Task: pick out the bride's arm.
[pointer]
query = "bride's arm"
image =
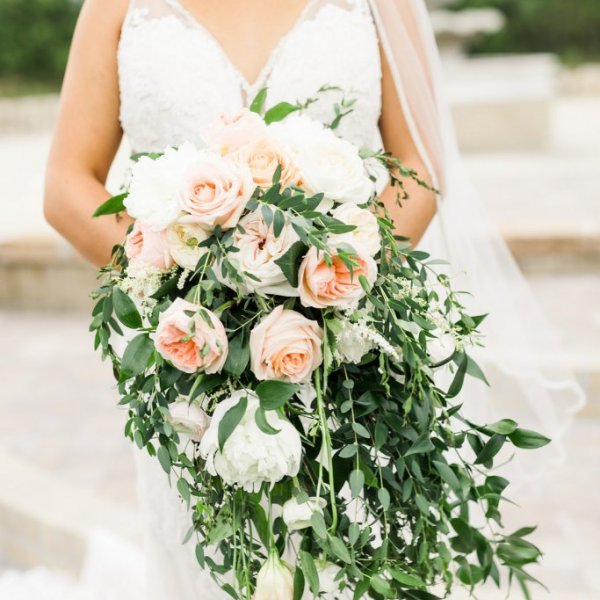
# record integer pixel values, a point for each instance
(416, 213)
(87, 134)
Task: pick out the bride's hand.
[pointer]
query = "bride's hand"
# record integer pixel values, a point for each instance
(87, 135)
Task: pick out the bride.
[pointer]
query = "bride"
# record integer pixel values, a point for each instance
(159, 71)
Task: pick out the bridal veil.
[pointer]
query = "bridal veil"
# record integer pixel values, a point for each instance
(530, 379)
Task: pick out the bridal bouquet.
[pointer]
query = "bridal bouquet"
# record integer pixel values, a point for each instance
(285, 361)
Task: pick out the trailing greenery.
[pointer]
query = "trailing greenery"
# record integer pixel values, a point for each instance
(567, 28)
(410, 502)
(34, 38)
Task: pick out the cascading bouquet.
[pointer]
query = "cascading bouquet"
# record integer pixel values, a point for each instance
(284, 365)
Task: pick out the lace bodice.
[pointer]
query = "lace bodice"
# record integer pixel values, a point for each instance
(175, 77)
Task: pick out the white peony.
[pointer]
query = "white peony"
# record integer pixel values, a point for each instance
(251, 457)
(366, 233)
(258, 251)
(153, 192)
(188, 419)
(298, 515)
(275, 580)
(183, 241)
(328, 164)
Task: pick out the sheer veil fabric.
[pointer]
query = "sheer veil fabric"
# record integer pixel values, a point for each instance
(524, 360)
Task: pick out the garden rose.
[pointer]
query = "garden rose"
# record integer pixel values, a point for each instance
(228, 134)
(147, 247)
(328, 164)
(251, 457)
(258, 251)
(183, 241)
(153, 192)
(322, 285)
(298, 515)
(189, 341)
(263, 156)
(274, 581)
(366, 233)
(214, 191)
(189, 419)
(286, 346)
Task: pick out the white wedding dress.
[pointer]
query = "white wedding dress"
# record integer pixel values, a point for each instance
(175, 78)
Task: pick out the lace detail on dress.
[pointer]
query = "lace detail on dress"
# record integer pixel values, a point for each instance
(175, 77)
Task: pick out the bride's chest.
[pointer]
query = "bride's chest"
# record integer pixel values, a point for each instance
(175, 78)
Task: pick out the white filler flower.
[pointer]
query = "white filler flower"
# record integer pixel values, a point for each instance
(250, 456)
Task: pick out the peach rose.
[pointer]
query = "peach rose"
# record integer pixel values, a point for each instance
(263, 156)
(148, 247)
(228, 133)
(322, 285)
(215, 191)
(186, 338)
(286, 346)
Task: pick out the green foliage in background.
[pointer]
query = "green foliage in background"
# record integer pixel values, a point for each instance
(35, 37)
(570, 28)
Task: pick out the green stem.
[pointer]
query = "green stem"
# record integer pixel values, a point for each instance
(328, 448)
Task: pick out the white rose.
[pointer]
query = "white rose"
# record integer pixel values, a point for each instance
(258, 251)
(275, 580)
(189, 419)
(251, 457)
(154, 187)
(441, 347)
(183, 241)
(298, 515)
(328, 164)
(366, 233)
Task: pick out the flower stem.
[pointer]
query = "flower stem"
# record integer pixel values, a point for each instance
(328, 448)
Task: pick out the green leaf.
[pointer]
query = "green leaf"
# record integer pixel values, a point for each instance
(299, 584)
(339, 549)
(348, 451)
(474, 370)
(405, 579)
(259, 518)
(448, 475)
(126, 309)
(310, 572)
(384, 498)
(278, 223)
(137, 355)
(317, 522)
(422, 445)
(111, 206)
(361, 430)
(261, 421)
(357, 482)
(231, 420)
(257, 105)
(280, 111)
(381, 586)
(289, 263)
(504, 427)
(238, 355)
(184, 490)
(459, 377)
(164, 458)
(490, 449)
(274, 394)
(528, 440)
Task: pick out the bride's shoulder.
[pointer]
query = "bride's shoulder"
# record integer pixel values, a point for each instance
(105, 15)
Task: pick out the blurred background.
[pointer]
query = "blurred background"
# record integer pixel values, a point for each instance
(523, 77)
